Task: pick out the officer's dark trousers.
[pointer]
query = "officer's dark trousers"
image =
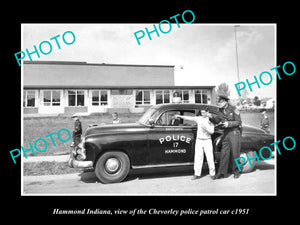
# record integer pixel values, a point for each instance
(230, 150)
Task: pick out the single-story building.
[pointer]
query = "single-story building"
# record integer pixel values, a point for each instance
(60, 87)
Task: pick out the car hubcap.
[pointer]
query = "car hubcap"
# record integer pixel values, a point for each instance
(112, 165)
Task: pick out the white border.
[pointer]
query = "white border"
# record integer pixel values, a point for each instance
(213, 194)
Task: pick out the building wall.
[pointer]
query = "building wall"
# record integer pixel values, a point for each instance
(70, 87)
(122, 101)
(31, 110)
(72, 110)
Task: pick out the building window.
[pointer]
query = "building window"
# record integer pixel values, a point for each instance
(201, 96)
(142, 97)
(99, 97)
(184, 95)
(51, 98)
(121, 92)
(76, 98)
(29, 98)
(162, 96)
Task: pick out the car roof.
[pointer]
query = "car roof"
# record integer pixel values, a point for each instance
(179, 106)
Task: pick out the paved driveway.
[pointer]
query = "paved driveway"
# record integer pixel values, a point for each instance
(157, 182)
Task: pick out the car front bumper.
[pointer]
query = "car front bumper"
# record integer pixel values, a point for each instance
(78, 156)
(79, 164)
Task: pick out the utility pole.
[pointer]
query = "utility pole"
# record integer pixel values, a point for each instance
(237, 55)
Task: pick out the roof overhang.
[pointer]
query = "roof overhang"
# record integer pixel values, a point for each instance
(114, 87)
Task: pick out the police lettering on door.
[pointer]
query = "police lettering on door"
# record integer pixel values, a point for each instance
(175, 142)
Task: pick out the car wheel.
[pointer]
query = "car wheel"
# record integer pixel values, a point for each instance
(246, 167)
(112, 167)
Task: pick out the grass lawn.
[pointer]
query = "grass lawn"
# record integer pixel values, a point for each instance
(254, 118)
(35, 128)
(49, 168)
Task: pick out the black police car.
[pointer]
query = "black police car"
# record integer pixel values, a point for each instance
(154, 142)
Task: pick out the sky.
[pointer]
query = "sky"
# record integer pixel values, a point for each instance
(203, 54)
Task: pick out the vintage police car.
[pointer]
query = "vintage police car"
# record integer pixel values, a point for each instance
(154, 142)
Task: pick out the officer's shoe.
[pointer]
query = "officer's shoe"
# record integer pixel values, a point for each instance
(195, 177)
(212, 177)
(219, 176)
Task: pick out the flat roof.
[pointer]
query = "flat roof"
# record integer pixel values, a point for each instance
(60, 74)
(90, 64)
(114, 87)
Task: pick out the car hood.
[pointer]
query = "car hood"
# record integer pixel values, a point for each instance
(112, 128)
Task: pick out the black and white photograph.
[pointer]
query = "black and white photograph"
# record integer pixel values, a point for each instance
(174, 108)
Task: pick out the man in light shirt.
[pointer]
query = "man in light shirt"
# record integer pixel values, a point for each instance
(203, 143)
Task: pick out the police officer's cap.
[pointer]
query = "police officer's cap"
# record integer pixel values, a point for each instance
(223, 96)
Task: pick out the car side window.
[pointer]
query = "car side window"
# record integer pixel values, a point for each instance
(189, 122)
(168, 118)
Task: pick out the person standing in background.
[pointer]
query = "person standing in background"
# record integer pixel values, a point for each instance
(77, 131)
(115, 118)
(265, 121)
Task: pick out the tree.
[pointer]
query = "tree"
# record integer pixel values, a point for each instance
(256, 101)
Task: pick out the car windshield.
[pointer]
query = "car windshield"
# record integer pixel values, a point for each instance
(150, 113)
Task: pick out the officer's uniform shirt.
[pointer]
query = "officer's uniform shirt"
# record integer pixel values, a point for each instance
(232, 115)
(265, 121)
(229, 114)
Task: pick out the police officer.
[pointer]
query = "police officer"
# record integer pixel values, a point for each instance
(76, 152)
(265, 121)
(77, 131)
(230, 121)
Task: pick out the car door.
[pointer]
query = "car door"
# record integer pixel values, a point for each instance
(170, 142)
